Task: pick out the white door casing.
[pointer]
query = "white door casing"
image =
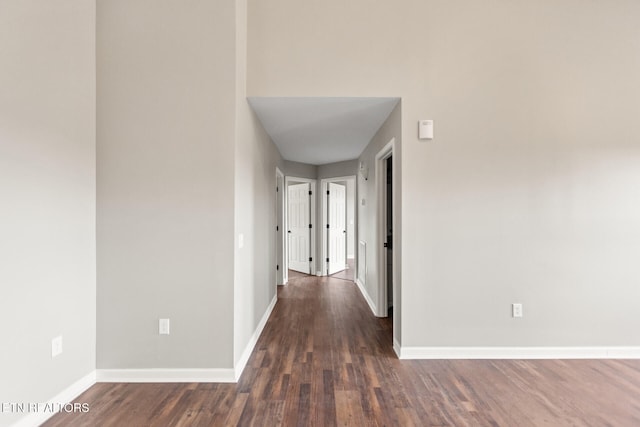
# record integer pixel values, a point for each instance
(281, 276)
(337, 221)
(381, 229)
(298, 227)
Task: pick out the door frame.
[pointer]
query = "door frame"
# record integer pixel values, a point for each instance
(324, 183)
(312, 206)
(381, 227)
(280, 227)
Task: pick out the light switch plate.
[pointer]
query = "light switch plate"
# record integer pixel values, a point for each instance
(56, 346)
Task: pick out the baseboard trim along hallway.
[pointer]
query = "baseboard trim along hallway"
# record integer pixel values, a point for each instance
(240, 365)
(366, 296)
(34, 419)
(418, 353)
(166, 376)
(188, 375)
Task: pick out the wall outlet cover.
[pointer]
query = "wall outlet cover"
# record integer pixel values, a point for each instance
(516, 310)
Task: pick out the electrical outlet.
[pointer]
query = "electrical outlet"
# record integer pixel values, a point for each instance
(163, 327)
(56, 346)
(516, 310)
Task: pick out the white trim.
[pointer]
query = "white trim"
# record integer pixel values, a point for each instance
(65, 396)
(519, 352)
(361, 261)
(381, 227)
(242, 363)
(281, 223)
(396, 347)
(313, 188)
(340, 178)
(166, 375)
(366, 296)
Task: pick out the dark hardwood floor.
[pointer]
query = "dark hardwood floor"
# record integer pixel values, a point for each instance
(296, 274)
(348, 273)
(324, 359)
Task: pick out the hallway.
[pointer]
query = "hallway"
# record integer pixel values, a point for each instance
(324, 359)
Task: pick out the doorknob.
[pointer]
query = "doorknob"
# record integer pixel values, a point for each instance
(289, 231)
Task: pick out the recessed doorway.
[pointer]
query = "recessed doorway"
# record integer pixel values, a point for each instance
(300, 225)
(385, 228)
(338, 205)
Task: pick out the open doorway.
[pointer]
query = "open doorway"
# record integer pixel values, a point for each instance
(385, 213)
(299, 225)
(389, 224)
(338, 204)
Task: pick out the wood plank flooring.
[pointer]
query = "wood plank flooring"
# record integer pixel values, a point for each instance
(348, 273)
(325, 360)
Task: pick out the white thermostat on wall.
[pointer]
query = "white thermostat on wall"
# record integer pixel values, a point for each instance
(425, 129)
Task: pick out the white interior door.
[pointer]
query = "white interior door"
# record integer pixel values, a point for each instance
(337, 219)
(298, 227)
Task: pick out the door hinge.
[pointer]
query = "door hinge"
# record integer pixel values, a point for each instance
(277, 228)
(386, 245)
(327, 259)
(277, 189)
(327, 192)
(310, 226)
(327, 225)
(277, 267)
(310, 192)
(310, 259)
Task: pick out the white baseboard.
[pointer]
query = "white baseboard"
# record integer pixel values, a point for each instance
(240, 365)
(34, 419)
(396, 347)
(166, 376)
(518, 352)
(367, 298)
(187, 375)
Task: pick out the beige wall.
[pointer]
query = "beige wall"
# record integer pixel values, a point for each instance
(166, 156)
(256, 159)
(300, 170)
(338, 169)
(47, 186)
(529, 191)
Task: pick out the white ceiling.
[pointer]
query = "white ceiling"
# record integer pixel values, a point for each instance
(318, 131)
